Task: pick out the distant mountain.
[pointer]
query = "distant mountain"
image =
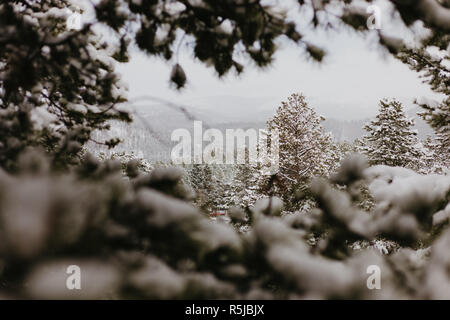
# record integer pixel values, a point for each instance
(231, 109)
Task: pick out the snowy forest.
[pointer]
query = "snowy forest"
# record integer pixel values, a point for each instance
(88, 182)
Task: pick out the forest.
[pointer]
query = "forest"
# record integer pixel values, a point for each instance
(78, 196)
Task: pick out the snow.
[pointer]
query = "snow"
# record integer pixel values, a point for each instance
(400, 186)
(442, 216)
(161, 33)
(446, 64)
(42, 118)
(427, 101)
(435, 53)
(262, 205)
(174, 8)
(77, 107)
(225, 27)
(165, 211)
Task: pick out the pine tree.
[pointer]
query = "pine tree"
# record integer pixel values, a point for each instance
(432, 61)
(303, 145)
(336, 152)
(217, 192)
(200, 180)
(390, 139)
(209, 182)
(246, 185)
(434, 157)
(439, 118)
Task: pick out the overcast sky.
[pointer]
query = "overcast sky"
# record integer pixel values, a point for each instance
(354, 76)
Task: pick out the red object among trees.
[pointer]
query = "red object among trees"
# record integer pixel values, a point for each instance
(219, 212)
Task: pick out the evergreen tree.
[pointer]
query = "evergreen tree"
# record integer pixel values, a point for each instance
(219, 186)
(432, 61)
(336, 153)
(435, 159)
(246, 185)
(439, 118)
(303, 145)
(200, 179)
(56, 85)
(390, 139)
(209, 182)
